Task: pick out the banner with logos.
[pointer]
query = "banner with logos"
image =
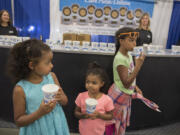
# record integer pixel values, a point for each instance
(102, 16)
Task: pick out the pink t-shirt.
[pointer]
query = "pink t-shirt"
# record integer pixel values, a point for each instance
(97, 126)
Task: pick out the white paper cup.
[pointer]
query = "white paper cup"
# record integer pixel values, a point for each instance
(137, 51)
(90, 105)
(76, 43)
(67, 42)
(94, 44)
(49, 91)
(86, 44)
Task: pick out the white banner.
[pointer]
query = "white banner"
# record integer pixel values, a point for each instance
(64, 20)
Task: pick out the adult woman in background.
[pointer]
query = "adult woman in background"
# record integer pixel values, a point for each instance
(6, 27)
(145, 34)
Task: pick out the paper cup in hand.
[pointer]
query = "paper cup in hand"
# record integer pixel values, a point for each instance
(49, 91)
(90, 105)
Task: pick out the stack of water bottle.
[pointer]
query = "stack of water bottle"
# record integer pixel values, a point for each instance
(11, 40)
(149, 50)
(98, 44)
(155, 50)
(89, 46)
(175, 50)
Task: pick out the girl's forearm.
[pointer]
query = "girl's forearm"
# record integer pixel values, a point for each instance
(25, 119)
(80, 115)
(132, 77)
(106, 116)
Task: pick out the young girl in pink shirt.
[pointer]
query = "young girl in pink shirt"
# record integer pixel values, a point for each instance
(96, 85)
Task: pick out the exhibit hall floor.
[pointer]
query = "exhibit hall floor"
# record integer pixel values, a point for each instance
(8, 128)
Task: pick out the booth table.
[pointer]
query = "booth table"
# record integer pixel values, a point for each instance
(159, 80)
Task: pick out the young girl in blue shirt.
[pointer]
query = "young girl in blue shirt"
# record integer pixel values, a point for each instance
(29, 66)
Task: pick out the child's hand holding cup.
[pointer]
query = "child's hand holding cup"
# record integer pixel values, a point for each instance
(139, 61)
(49, 91)
(90, 105)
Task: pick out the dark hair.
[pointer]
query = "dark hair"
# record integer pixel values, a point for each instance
(20, 56)
(95, 69)
(121, 30)
(1, 13)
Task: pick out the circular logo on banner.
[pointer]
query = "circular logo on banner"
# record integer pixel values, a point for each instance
(130, 15)
(98, 13)
(66, 11)
(107, 10)
(91, 9)
(75, 8)
(123, 11)
(138, 13)
(114, 14)
(82, 12)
